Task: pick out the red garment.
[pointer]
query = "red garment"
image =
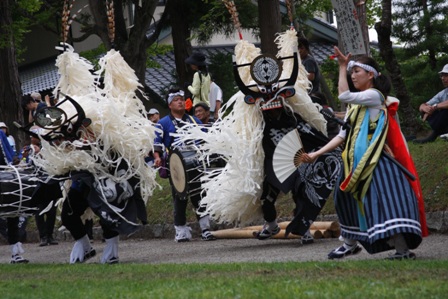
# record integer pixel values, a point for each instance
(188, 104)
(400, 151)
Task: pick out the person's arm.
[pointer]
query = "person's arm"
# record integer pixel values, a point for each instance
(217, 107)
(195, 87)
(30, 116)
(48, 100)
(442, 105)
(343, 63)
(311, 157)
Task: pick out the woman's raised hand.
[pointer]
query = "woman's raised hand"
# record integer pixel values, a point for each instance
(342, 59)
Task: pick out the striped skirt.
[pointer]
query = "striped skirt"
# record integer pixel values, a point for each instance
(390, 208)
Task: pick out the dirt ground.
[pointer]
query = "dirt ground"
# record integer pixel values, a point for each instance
(165, 250)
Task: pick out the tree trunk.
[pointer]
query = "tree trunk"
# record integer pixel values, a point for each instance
(269, 21)
(181, 39)
(132, 45)
(383, 28)
(10, 91)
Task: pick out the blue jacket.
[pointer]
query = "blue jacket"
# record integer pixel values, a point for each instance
(168, 125)
(7, 154)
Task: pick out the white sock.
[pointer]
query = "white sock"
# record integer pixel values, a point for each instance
(349, 243)
(17, 248)
(400, 243)
(204, 222)
(272, 225)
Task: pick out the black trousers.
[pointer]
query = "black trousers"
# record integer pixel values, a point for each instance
(43, 196)
(180, 206)
(73, 208)
(268, 199)
(13, 230)
(439, 121)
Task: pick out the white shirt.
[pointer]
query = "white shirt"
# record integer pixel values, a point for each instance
(214, 95)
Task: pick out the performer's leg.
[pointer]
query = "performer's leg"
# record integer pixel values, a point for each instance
(41, 228)
(402, 250)
(183, 232)
(204, 220)
(13, 239)
(110, 253)
(350, 247)
(268, 198)
(49, 223)
(72, 209)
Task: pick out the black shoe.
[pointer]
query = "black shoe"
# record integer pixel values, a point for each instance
(342, 251)
(265, 233)
(87, 255)
(207, 236)
(18, 259)
(52, 241)
(307, 239)
(43, 242)
(432, 137)
(112, 261)
(402, 256)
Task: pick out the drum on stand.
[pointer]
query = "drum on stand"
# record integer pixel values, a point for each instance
(185, 172)
(17, 186)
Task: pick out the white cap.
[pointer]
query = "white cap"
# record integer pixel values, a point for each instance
(153, 111)
(445, 70)
(3, 125)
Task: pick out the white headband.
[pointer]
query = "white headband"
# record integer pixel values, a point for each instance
(366, 67)
(172, 95)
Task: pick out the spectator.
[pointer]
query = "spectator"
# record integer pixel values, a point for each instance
(215, 98)
(154, 115)
(37, 97)
(11, 140)
(310, 64)
(200, 88)
(202, 111)
(29, 104)
(13, 233)
(435, 111)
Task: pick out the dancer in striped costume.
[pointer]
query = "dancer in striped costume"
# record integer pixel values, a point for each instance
(379, 200)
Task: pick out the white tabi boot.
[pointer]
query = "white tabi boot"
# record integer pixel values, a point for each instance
(82, 251)
(17, 250)
(204, 223)
(183, 233)
(110, 253)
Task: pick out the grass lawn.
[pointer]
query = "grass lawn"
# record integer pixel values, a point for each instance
(354, 279)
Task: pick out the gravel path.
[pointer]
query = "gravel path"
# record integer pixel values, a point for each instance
(157, 251)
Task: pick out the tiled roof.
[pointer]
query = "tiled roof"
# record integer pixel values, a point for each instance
(39, 77)
(44, 76)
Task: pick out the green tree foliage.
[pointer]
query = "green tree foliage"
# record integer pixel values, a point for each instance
(422, 27)
(21, 12)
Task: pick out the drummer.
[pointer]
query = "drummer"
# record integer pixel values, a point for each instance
(170, 124)
(7, 158)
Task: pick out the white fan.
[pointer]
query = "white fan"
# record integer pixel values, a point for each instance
(287, 155)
